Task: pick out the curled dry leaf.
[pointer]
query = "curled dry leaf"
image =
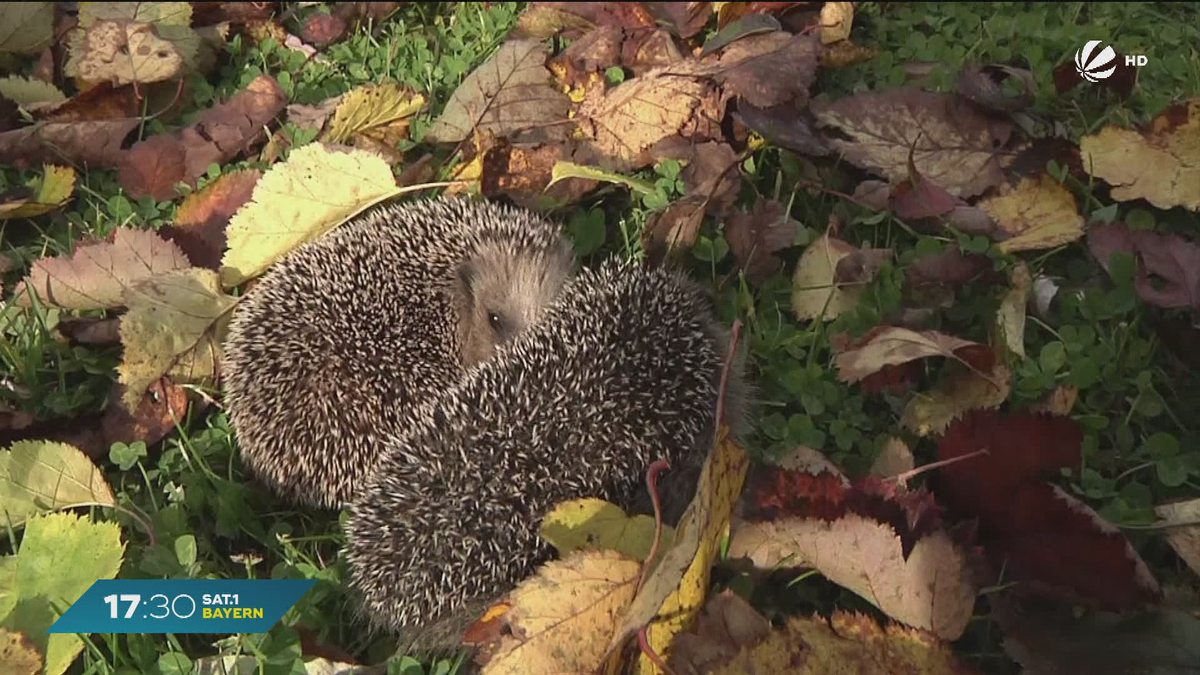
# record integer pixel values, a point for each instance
(95, 143)
(561, 618)
(837, 18)
(154, 166)
(1043, 537)
(175, 325)
(313, 191)
(951, 142)
(685, 19)
(1157, 164)
(1169, 273)
(983, 85)
(594, 523)
(895, 458)
(768, 70)
(542, 20)
(511, 95)
(200, 221)
(17, 651)
(815, 291)
(674, 228)
(1010, 318)
(529, 175)
(784, 126)
(97, 274)
(1185, 536)
(756, 237)
(881, 541)
(891, 345)
(164, 406)
(45, 194)
(41, 476)
(1038, 213)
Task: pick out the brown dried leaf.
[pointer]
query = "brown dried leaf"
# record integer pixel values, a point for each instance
(895, 458)
(684, 18)
(511, 95)
(98, 273)
(96, 144)
(1010, 318)
(162, 407)
(123, 52)
(784, 126)
(952, 143)
(768, 70)
(323, 29)
(101, 102)
(26, 27)
(1169, 270)
(756, 237)
(18, 653)
(890, 345)
(199, 228)
(522, 172)
(1157, 164)
(837, 18)
(675, 228)
(90, 330)
(959, 390)
(727, 625)
(1184, 539)
(1058, 402)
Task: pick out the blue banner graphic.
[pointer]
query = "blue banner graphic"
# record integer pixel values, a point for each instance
(182, 606)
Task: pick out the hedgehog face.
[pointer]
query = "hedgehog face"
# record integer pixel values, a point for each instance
(502, 292)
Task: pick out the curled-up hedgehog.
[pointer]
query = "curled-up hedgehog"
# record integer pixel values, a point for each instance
(622, 370)
(339, 338)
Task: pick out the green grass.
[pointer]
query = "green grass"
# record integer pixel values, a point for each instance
(1142, 443)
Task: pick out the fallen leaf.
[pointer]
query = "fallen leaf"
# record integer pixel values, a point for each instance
(880, 540)
(313, 191)
(894, 459)
(158, 413)
(98, 273)
(39, 477)
(1045, 539)
(952, 143)
(756, 237)
(61, 556)
(545, 20)
(380, 112)
(950, 267)
(510, 95)
(685, 19)
(754, 68)
(154, 166)
(846, 53)
(892, 345)
(984, 85)
(537, 177)
(596, 524)
(1010, 318)
(815, 295)
(323, 29)
(95, 144)
(1156, 164)
(28, 93)
(710, 172)
(200, 221)
(19, 654)
(626, 122)
(49, 192)
(358, 13)
(837, 18)
(565, 170)
(575, 602)
(674, 592)
(121, 52)
(26, 27)
(101, 102)
(727, 625)
(628, 15)
(958, 391)
(1060, 401)
(675, 228)
(1169, 266)
(175, 326)
(1038, 213)
(784, 126)
(1183, 519)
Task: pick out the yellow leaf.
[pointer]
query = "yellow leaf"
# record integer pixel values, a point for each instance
(1010, 318)
(51, 191)
(123, 53)
(40, 476)
(959, 390)
(595, 523)
(814, 293)
(298, 200)
(895, 458)
(1185, 539)
(1038, 213)
(562, 617)
(175, 324)
(26, 91)
(1158, 164)
(674, 592)
(836, 21)
(18, 654)
(1058, 402)
(379, 111)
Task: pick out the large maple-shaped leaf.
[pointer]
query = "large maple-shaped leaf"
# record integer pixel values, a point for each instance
(952, 143)
(511, 95)
(1043, 537)
(97, 274)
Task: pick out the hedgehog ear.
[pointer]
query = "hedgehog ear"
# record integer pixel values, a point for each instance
(468, 276)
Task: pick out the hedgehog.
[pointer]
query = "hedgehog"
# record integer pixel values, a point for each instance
(340, 337)
(623, 369)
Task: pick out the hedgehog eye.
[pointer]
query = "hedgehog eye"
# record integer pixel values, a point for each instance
(494, 321)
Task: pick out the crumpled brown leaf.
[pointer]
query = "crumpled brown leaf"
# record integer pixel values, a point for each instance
(756, 237)
(1169, 273)
(199, 227)
(891, 345)
(770, 69)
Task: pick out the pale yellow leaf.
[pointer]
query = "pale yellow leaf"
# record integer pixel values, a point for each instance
(26, 91)
(166, 13)
(175, 325)
(97, 274)
(1059, 402)
(296, 201)
(895, 458)
(1185, 539)
(1157, 164)
(18, 654)
(836, 20)
(1038, 213)
(51, 191)
(595, 523)
(564, 170)
(893, 345)
(814, 291)
(511, 95)
(379, 111)
(562, 617)
(959, 390)
(1010, 318)
(41, 476)
(124, 53)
